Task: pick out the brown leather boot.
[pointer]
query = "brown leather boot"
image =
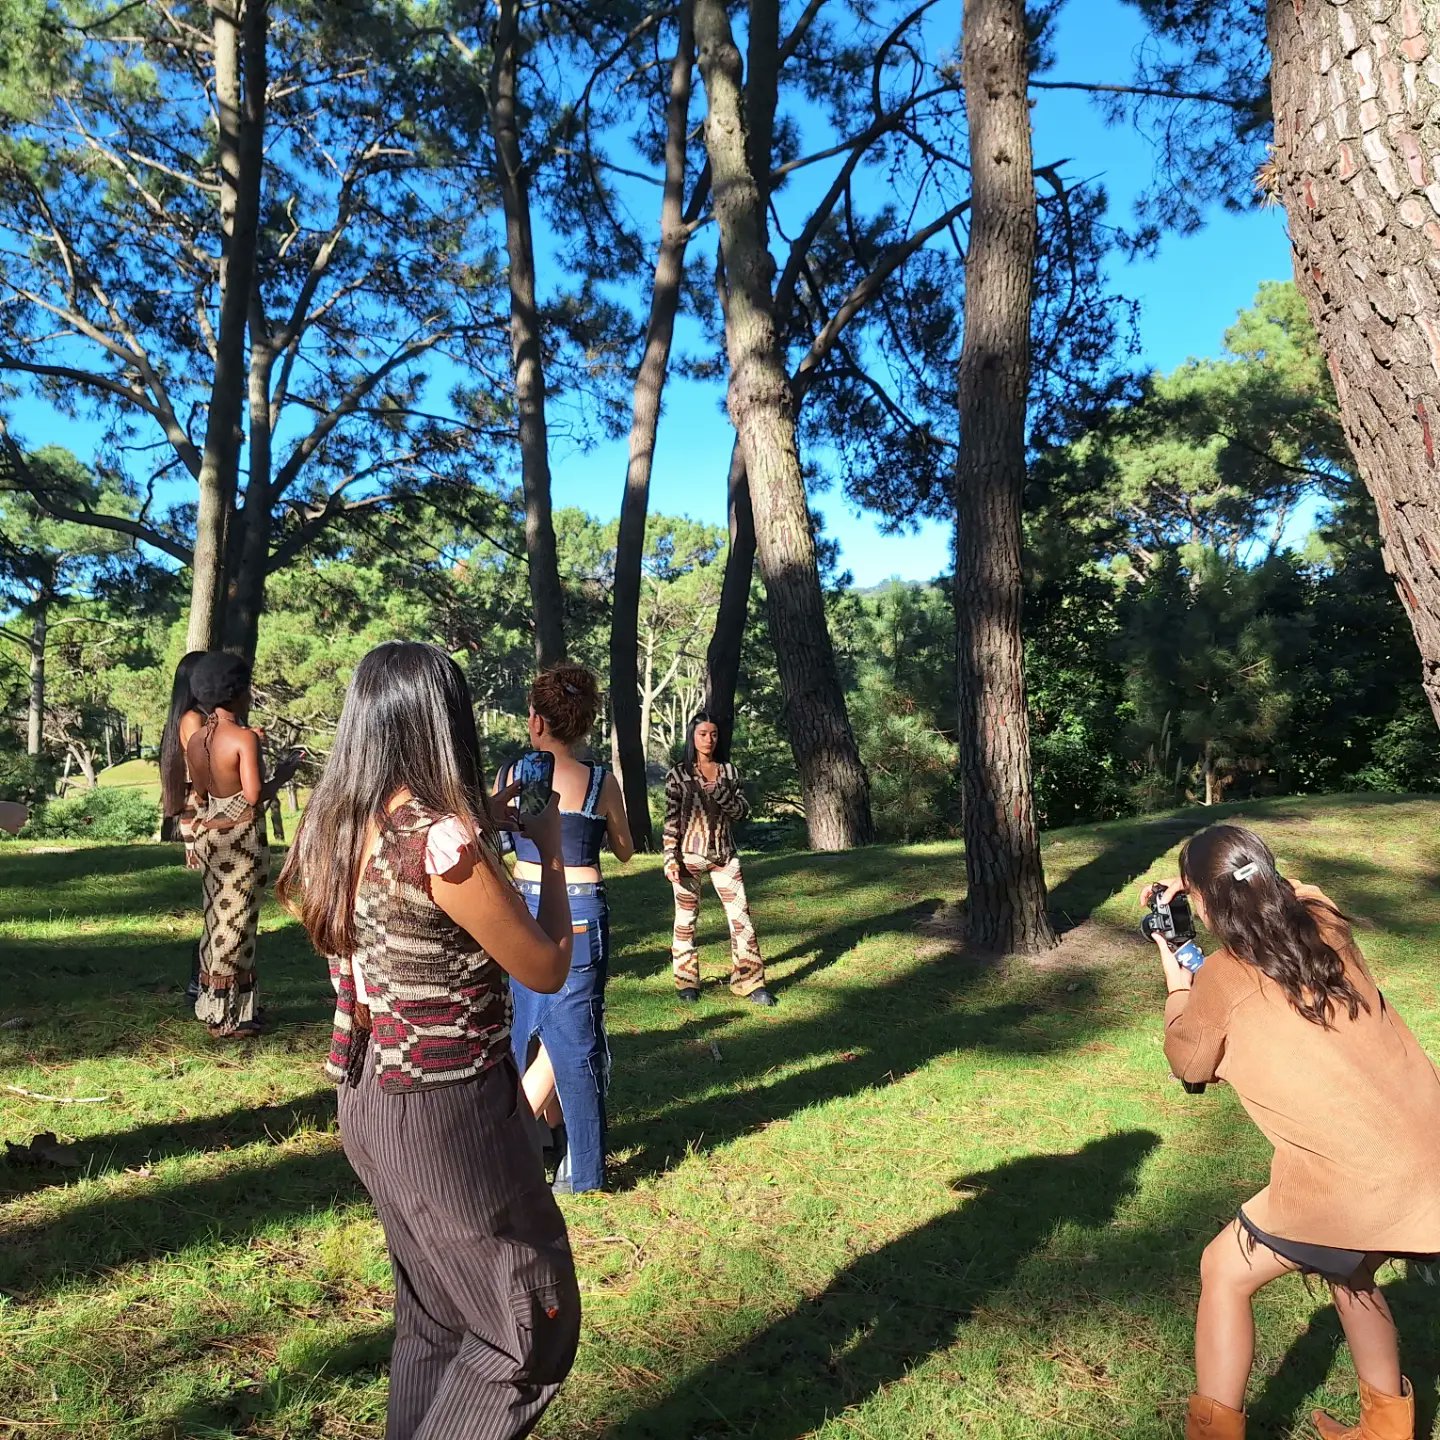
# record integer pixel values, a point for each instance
(1208, 1419)
(1382, 1417)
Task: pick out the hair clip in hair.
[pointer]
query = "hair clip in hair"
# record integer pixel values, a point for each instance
(568, 688)
(1247, 872)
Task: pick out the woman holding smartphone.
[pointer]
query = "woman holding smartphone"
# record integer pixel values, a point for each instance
(396, 875)
(559, 1040)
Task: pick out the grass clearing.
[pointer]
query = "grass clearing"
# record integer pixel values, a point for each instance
(921, 1199)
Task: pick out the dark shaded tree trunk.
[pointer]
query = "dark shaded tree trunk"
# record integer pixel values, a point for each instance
(1006, 903)
(833, 780)
(629, 744)
(35, 719)
(245, 592)
(546, 594)
(1355, 89)
(239, 27)
(727, 644)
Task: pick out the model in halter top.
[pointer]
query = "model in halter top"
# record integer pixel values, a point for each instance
(559, 1040)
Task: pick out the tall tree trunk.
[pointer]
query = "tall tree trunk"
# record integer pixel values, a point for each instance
(546, 594)
(630, 732)
(1005, 905)
(240, 115)
(1356, 89)
(246, 588)
(833, 780)
(35, 720)
(727, 643)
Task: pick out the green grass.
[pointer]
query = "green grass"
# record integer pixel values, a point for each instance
(921, 1199)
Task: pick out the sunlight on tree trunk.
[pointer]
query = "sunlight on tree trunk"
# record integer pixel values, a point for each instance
(1006, 901)
(836, 789)
(1355, 89)
(35, 726)
(240, 115)
(631, 717)
(546, 593)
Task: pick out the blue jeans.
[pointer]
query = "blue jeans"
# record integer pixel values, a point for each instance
(571, 1026)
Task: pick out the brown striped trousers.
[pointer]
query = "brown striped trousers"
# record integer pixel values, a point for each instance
(747, 969)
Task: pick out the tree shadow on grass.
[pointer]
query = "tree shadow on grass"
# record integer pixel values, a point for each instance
(896, 1306)
(1284, 1402)
(303, 1386)
(152, 1219)
(203, 1134)
(869, 1036)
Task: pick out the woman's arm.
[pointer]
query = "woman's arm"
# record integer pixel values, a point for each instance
(617, 823)
(674, 810)
(252, 773)
(477, 896)
(729, 795)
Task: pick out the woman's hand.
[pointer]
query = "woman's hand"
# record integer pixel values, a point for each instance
(542, 830)
(1167, 889)
(1177, 977)
(672, 871)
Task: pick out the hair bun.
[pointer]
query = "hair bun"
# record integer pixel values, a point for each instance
(567, 698)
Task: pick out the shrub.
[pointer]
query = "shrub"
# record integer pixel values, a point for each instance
(94, 815)
(26, 778)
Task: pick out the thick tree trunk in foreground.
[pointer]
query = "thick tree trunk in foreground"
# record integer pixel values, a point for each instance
(727, 643)
(35, 720)
(631, 731)
(240, 109)
(832, 777)
(546, 594)
(1356, 90)
(1006, 903)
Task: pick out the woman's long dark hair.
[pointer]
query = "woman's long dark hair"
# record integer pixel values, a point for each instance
(722, 740)
(172, 753)
(1260, 919)
(408, 724)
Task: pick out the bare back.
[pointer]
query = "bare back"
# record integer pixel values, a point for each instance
(223, 757)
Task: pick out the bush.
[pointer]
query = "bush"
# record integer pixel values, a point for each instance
(26, 778)
(911, 765)
(94, 815)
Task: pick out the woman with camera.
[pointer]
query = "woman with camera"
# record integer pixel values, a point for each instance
(1287, 1014)
(559, 1039)
(703, 802)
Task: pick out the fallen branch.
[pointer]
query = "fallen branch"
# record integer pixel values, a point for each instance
(57, 1099)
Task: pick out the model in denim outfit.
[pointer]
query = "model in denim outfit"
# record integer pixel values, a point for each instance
(559, 1040)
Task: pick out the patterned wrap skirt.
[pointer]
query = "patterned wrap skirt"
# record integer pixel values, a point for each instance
(236, 864)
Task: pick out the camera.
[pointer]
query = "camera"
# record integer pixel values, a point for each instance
(1169, 919)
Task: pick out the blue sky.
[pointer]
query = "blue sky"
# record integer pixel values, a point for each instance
(1189, 294)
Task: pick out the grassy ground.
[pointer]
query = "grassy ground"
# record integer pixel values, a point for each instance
(921, 1199)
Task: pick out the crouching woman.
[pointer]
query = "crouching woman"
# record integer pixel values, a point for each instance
(396, 875)
(1287, 1014)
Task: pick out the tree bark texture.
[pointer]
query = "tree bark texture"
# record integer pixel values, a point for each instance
(240, 27)
(35, 726)
(1356, 94)
(833, 780)
(250, 555)
(722, 659)
(1006, 901)
(546, 594)
(630, 731)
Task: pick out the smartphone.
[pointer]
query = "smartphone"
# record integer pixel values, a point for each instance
(535, 770)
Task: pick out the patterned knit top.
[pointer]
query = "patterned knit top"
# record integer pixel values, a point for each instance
(699, 817)
(438, 1006)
